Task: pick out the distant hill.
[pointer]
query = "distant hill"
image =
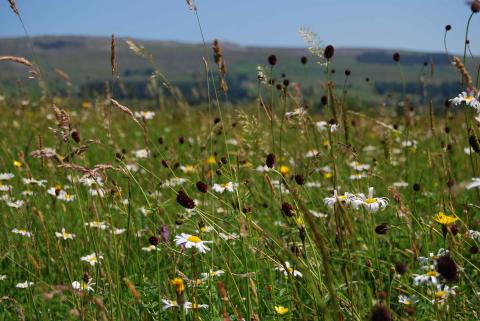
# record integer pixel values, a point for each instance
(87, 61)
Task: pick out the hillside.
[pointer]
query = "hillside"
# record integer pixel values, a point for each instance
(87, 61)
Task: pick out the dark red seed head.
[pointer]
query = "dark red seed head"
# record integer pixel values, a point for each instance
(396, 57)
(299, 179)
(202, 187)
(304, 60)
(272, 60)
(287, 209)
(448, 27)
(270, 161)
(381, 229)
(447, 268)
(329, 51)
(401, 268)
(348, 72)
(380, 313)
(184, 200)
(154, 240)
(475, 6)
(76, 136)
(474, 249)
(324, 100)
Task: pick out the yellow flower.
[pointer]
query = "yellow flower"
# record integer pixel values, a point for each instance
(281, 310)
(327, 175)
(299, 221)
(17, 164)
(179, 284)
(211, 160)
(284, 169)
(86, 104)
(444, 219)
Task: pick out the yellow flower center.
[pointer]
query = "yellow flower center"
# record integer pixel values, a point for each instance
(440, 294)
(370, 200)
(194, 239)
(469, 98)
(432, 273)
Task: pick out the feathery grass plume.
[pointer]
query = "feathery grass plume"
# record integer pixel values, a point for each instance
(464, 72)
(314, 45)
(63, 120)
(139, 50)
(113, 59)
(62, 74)
(222, 66)
(191, 5)
(127, 111)
(18, 60)
(133, 290)
(13, 5)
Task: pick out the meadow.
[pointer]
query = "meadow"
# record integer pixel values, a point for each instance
(265, 210)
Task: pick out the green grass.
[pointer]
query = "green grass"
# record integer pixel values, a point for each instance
(361, 262)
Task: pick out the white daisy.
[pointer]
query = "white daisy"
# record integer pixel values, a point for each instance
(190, 305)
(211, 274)
(188, 241)
(24, 285)
(167, 304)
(118, 231)
(22, 232)
(229, 236)
(33, 181)
(15, 204)
(82, 286)
(406, 300)
(323, 126)
(287, 269)
(474, 235)
(92, 259)
(5, 188)
(400, 184)
(96, 224)
(145, 115)
(475, 183)
(468, 99)
(64, 196)
(141, 153)
(6, 176)
(373, 204)
(431, 277)
(187, 169)
(220, 188)
(359, 166)
(65, 235)
(347, 199)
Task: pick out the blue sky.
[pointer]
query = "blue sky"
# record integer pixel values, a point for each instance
(405, 24)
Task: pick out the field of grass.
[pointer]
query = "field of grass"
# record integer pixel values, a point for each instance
(138, 210)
